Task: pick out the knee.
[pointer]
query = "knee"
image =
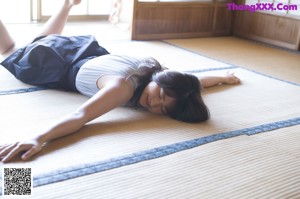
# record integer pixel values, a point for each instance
(5, 52)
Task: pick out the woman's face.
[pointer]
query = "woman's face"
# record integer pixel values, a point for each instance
(154, 99)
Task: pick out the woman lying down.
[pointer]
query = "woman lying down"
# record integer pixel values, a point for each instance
(79, 64)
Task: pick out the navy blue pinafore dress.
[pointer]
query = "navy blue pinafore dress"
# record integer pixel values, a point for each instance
(53, 61)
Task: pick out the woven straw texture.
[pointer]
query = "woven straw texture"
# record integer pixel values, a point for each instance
(259, 166)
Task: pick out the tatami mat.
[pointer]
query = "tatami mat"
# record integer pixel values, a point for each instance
(274, 61)
(9, 82)
(168, 55)
(257, 101)
(244, 167)
(111, 134)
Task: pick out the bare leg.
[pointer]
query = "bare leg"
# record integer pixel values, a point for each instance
(115, 15)
(56, 23)
(7, 44)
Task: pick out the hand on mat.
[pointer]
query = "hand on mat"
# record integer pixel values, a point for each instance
(28, 148)
(230, 78)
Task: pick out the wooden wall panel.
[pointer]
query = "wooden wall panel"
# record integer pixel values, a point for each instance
(223, 21)
(167, 20)
(272, 29)
(155, 20)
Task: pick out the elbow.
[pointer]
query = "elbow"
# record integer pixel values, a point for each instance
(80, 117)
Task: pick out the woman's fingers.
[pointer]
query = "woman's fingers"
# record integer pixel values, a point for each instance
(231, 78)
(11, 152)
(28, 148)
(230, 73)
(30, 153)
(5, 149)
(3, 146)
(14, 150)
(236, 80)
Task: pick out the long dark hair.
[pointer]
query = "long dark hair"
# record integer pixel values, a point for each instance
(146, 70)
(185, 88)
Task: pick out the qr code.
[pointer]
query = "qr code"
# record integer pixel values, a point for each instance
(17, 181)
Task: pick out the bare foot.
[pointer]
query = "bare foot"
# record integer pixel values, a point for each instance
(72, 2)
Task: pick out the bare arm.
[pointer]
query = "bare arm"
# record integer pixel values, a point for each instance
(210, 81)
(113, 94)
(109, 97)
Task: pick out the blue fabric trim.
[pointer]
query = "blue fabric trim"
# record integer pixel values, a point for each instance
(33, 89)
(271, 46)
(158, 152)
(265, 75)
(22, 90)
(232, 65)
(197, 53)
(25, 90)
(155, 153)
(210, 69)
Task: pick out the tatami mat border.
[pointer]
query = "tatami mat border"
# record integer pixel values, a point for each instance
(155, 153)
(269, 76)
(232, 65)
(22, 90)
(210, 69)
(271, 46)
(38, 88)
(195, 52)
(34, 89)
(82, 170)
